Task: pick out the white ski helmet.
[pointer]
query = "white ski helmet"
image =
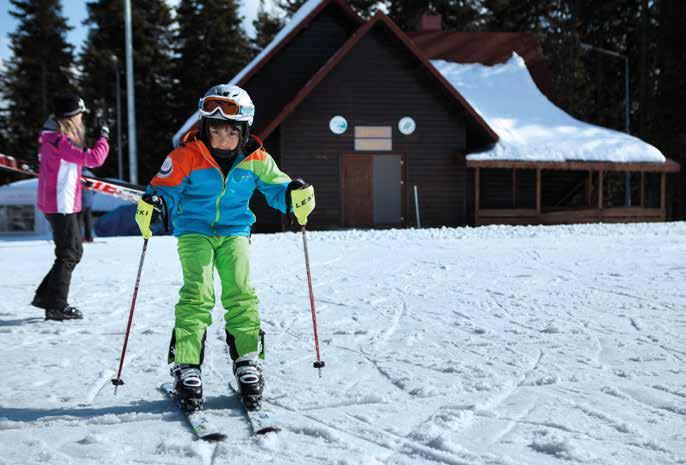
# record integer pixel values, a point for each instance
(228, 103)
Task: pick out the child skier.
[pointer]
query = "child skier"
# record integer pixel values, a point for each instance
(62, 157)
(203, 188)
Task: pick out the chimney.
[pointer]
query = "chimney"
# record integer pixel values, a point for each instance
(430, 23)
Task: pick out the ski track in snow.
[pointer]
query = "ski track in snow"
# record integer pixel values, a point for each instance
(497, 345)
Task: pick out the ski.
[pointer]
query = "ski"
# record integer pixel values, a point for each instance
(130, 194)
(198, 420)
(261, 421)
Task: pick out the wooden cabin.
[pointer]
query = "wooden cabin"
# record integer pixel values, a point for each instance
(358, 109)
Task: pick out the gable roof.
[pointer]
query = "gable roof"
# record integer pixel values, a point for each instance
(488, 48)
(381, 19)
(310, 10)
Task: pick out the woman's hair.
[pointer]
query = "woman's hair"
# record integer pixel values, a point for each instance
(70, 128)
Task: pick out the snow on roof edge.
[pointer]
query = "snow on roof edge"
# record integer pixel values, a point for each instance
(295, 20)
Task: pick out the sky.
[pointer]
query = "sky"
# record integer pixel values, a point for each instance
(75, 12)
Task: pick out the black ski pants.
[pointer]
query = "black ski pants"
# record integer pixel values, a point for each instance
(53, 292)
(86, 220)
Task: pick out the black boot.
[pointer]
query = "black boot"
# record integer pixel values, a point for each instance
(65, 313)
(188, 386)
(250, 381)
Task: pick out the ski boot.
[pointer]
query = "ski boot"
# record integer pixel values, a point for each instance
(248, 372)
(188, 386)
(66, 313)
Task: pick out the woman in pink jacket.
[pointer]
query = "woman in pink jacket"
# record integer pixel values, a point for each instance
(62, 157)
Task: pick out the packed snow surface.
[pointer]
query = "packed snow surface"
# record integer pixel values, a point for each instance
(531, 127)
(492, 345)
(299, 16)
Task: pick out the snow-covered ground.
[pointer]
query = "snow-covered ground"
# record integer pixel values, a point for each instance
(495, 345)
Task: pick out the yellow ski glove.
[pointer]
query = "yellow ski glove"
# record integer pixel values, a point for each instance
(303, 203)
(144, 217)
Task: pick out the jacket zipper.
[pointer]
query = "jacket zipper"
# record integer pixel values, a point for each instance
(219, 199)
(224, 181)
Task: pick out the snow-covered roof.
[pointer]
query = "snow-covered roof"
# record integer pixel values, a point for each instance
(295, 20)
(531, 127)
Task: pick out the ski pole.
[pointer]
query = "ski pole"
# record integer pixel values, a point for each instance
(319, 364)
(118, 381)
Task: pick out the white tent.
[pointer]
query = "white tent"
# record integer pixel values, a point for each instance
(20, 217)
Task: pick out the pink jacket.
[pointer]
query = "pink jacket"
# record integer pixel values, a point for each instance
(61, 161)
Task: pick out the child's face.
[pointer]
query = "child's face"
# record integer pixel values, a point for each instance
(224, 137)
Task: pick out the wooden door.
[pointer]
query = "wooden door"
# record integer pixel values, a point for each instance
(358, 191)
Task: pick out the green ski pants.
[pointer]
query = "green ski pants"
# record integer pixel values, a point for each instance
(200, 255)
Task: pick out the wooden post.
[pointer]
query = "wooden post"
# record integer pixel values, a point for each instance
(663, 192)
(643, 188)
(538, 193)
(514, 187)
(589, 189)
(477, 199)
(600, 189)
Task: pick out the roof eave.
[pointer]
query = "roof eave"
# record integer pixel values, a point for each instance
(669, 166)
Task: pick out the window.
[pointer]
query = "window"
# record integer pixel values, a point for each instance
(17, 218)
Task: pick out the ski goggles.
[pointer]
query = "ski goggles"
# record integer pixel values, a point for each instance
(226, 107)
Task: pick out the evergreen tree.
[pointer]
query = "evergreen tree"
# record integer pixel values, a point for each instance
(517, 16)
(153, 76)
(669, 129)
(290, 6)
(406, 12)
(40, 66)
(365, 8)
(461, 15)
(613, 26)
(267, 25)
(457, 15)
(104, 45)
(212, 49)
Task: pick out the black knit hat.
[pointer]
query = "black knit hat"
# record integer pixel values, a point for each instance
(66, 105)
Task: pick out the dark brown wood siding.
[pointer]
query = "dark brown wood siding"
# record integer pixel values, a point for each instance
(495, 189)
(563, 188)
(268, 219)
(558, 189)
(289, 70)
(377, 84)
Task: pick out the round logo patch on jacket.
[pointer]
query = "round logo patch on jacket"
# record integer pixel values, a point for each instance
(166, 169)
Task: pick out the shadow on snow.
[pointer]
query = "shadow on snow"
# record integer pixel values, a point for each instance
(143, 406)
